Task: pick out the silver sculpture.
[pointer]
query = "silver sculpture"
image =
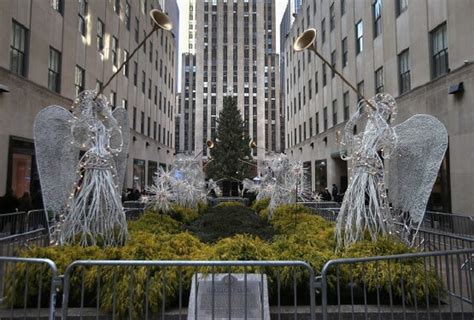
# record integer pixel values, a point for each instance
(84, 192)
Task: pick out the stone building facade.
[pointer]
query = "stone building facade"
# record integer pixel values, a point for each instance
(54, 49)
(421, 52)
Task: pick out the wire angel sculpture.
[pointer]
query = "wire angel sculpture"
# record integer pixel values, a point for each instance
(282, 181)
(183, 184)
(365, 205)
(413, 150)
(84, 192)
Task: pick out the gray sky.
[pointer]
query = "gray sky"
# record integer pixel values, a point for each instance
(280, 8)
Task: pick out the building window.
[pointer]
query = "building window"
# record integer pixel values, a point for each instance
(343, 7)
(404, 71)
(149, 89)
(125, 104)
(100, 35)
(79, 80)
(344, 52)
(439, 51)
(401, 6)
(333, 63)
(143, 81)
(125, 67)
(325, 118)
(379, 80)
(360, 89)
(137, 29)
(310, 90)
(324, 75)
(148, 126)
(18, 49)
(334, 112)
(142, 123)
(359, 29)
(332, 17)
(113, 99)
(316, 85)
(377, 13)
(117, 6)
(82, 27)
(134, 121)
(127, 15)
(113, 50)
(317, 122)
(135, 73)
(323, 30)
(345, 101)
(54, 70)
(58, 5)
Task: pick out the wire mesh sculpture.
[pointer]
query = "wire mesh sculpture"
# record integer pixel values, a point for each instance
(84, 194)
(183, 184)
(365, 205)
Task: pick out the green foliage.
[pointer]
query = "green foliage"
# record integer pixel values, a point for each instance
(230, 204)
(232, 144)
(184, 215)
(237, 233)
(228, 220)
(259, 205)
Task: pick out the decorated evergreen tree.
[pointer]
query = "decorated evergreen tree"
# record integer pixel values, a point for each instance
(231, 146)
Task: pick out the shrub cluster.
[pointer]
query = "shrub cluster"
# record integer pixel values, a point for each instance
(295, 234)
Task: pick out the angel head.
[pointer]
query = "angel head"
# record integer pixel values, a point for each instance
(93, 119)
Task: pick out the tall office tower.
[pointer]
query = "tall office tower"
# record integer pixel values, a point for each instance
(234, 55)
(420, 52)
(56, 49)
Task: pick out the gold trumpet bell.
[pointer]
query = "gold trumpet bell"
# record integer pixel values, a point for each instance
(161, 20)
(210, 144)
(305, 40)
(253, 144)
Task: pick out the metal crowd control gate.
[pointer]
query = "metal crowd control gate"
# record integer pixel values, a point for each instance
(19, 277)
(394, 289)
(147, 281)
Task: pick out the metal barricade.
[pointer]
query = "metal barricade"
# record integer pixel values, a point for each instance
(10, 245)
(449, 222)
(152, 289)
(22, 283)
(435, 285)
(13, 223)
(433, 240)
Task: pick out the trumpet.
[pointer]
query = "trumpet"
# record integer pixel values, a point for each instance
(210, 144)
(307, 40)
(252, 144)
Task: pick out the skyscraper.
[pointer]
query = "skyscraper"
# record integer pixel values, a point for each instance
(234, 54)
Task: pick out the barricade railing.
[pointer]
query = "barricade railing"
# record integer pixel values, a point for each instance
(435, 285)
(433, 240)
(10, 245)
(449, 222)
(28, 288)
(152, 289)
(13, 223)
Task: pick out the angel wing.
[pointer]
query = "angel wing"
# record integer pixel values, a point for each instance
(414, 165)
(56, 156)
(121, 115)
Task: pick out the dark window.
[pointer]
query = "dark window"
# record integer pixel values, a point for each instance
(404, 71)
(316, 83)
(142, 123)
(137, 29)
(310, 90)
(82, 27)
(79, 80)
(334, 112)
(148, 126)
(359, 35)
(332, 17)
(134, 122)
(54, 70)
(323, 30)
(19, 49)
(343, 7)
(100, 35)
(333, 62)
(149, 89)
(113, 99)
(325, 118)
(143, 81)
(125, 67)
(345, 101)
(401, 6)
(135, 73)
(377, 14)
(317, 122)
(324, 75)
(58, 5)
(360, 89)
(379, 80)
(310, 126)
(127, 15)
(344, 52)
(113, 50)
(439, 51)
(117, 6)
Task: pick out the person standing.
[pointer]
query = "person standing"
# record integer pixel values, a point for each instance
(335, 192)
